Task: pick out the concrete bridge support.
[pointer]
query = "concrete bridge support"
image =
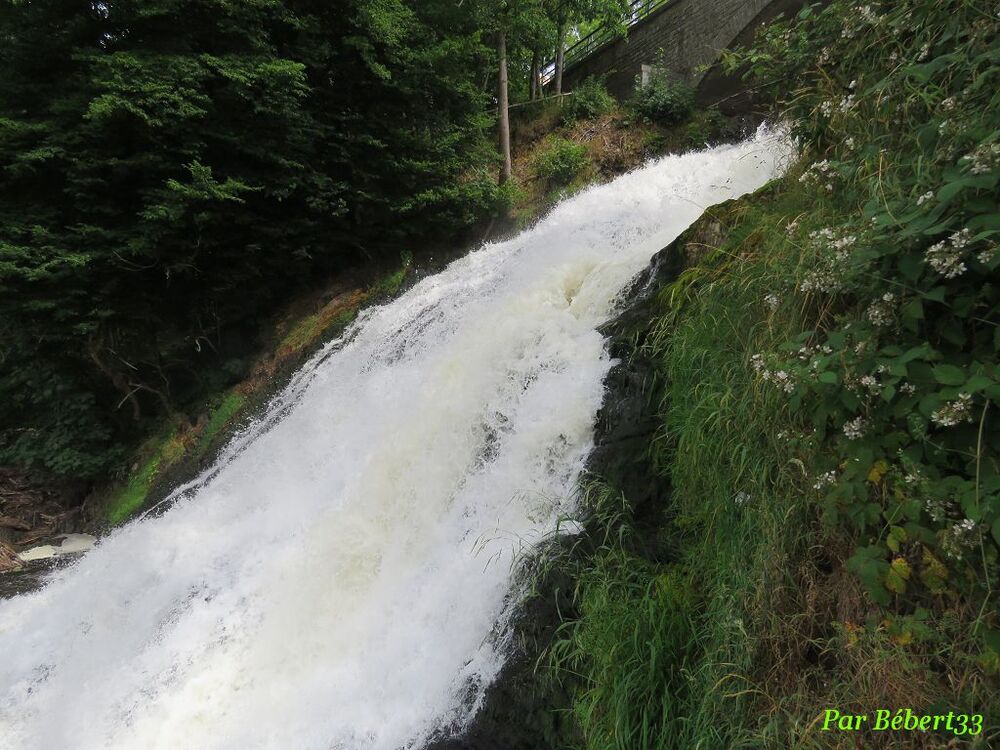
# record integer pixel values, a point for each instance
(686, 37)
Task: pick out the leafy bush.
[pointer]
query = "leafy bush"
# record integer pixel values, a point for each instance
(663, 100)
(589, 100)
(706, 126)
(899, 372)
(562, 161)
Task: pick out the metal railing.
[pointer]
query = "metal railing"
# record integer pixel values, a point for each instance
(601, 37)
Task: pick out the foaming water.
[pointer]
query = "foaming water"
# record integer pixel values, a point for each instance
(342, 577)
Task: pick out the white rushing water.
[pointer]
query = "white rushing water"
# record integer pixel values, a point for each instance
(342, 577)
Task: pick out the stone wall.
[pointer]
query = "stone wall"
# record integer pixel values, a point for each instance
(691, 34)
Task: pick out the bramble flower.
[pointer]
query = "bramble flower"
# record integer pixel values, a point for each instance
(961, 537)
(984, 159)
(868, 15)
(819, 172)
(855, 428)
(947, 257)
(882, 311)
(825, 480)
(871, 383)
(954, 412)
(936, 509)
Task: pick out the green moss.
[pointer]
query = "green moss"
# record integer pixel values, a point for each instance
(391, 284)
(305, 332)
(136, 492)
(221, 418)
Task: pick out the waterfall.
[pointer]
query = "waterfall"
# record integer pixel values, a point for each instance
(341, 578)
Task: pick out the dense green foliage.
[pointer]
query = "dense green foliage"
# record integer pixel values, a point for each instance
(561, 161)
(172, 169)
(899, 373)
(590, 99)
(664, 100)
(827, 383)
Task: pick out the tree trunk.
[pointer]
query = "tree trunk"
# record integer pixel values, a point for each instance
(506, 169)
(560, 56)
(533, 83)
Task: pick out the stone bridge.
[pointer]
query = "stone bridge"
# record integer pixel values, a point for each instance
(684, 36)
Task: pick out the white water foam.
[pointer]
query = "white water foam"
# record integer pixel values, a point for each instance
(338, 580)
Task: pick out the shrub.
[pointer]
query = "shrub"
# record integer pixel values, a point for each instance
(561, 162)
(590, 99)
(664, 101)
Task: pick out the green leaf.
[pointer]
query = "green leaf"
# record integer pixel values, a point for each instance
(949, 375)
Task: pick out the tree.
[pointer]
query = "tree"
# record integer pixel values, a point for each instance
(172, 169)
(503, 109)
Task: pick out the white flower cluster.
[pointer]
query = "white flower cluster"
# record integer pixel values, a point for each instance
(828, 276)
(868, 15)
(772, 300)
(908, 388)
(870, 383)
(825, 480)
(960, 538)
(949, 104)
(781, 378)
(954, 412)
(925, 198)
(882, 312)
(987, 253)
(855, 428)
(741, 499)
(948, 256)
(984, 159)
(819, 172)
(936, 509)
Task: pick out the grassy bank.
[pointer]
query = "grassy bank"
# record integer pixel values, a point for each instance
(827, 391)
